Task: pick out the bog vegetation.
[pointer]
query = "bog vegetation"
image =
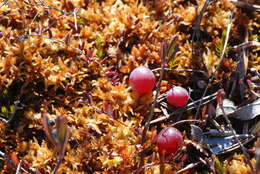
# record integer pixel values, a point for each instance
(68, 103)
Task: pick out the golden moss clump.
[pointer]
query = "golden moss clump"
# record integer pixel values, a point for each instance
(39, 156)
(237, 165)
(73, 58)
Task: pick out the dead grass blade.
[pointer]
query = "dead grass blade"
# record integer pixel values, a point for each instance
(220, 60)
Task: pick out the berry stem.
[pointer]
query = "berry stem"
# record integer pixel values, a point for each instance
(150, 116)
(162, 159)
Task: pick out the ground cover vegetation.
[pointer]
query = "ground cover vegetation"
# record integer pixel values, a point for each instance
(129, 86)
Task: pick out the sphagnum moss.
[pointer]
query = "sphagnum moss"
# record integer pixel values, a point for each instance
(50, 61)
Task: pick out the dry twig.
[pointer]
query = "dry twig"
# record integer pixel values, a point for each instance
(190, 106)
(220, 96)
(247, 44)
(220, 61)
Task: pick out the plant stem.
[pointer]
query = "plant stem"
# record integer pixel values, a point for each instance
(150, 116)
(237, 140)
(162, 166)
(220, 60)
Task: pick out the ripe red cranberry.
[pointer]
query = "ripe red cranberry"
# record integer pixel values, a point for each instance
(169, 140)
(177, 96)
(142, 80)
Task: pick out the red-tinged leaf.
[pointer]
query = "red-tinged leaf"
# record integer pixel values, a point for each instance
(204, 111)
(31, 13)
(7, 36)
(67, 39)
(211, 111)
(108, 108)
(63, 134)
(52, 22)
(37, 172)
(61, 124)
(108, 69)
(72, 26)
(81, 45)
(14, 158)
(220, 97)
(47, 129)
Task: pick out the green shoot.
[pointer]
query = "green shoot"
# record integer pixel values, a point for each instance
(220, 46)
(99, 46)
(7, 112)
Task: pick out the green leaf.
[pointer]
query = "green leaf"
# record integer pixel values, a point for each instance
(82, 21)
(100, 54)
(4, 110)
(12, 108)
(220, 46)
(174, 63)
(5, 93)
(99, 46)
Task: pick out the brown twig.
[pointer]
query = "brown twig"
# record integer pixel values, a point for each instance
(220, 61)
(247, 44)
(162, 160)
(57, 166)
(220, 102)
(185, 121)
(186, 70)
(190, 106)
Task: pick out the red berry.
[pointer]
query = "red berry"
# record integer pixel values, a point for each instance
(142, 80)
(169, 140)
(177, 96)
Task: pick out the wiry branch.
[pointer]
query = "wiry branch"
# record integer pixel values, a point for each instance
(150, 116)
(246, 5)
(221, 94)
(247, 44)
(220, 61)
(190, 106)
